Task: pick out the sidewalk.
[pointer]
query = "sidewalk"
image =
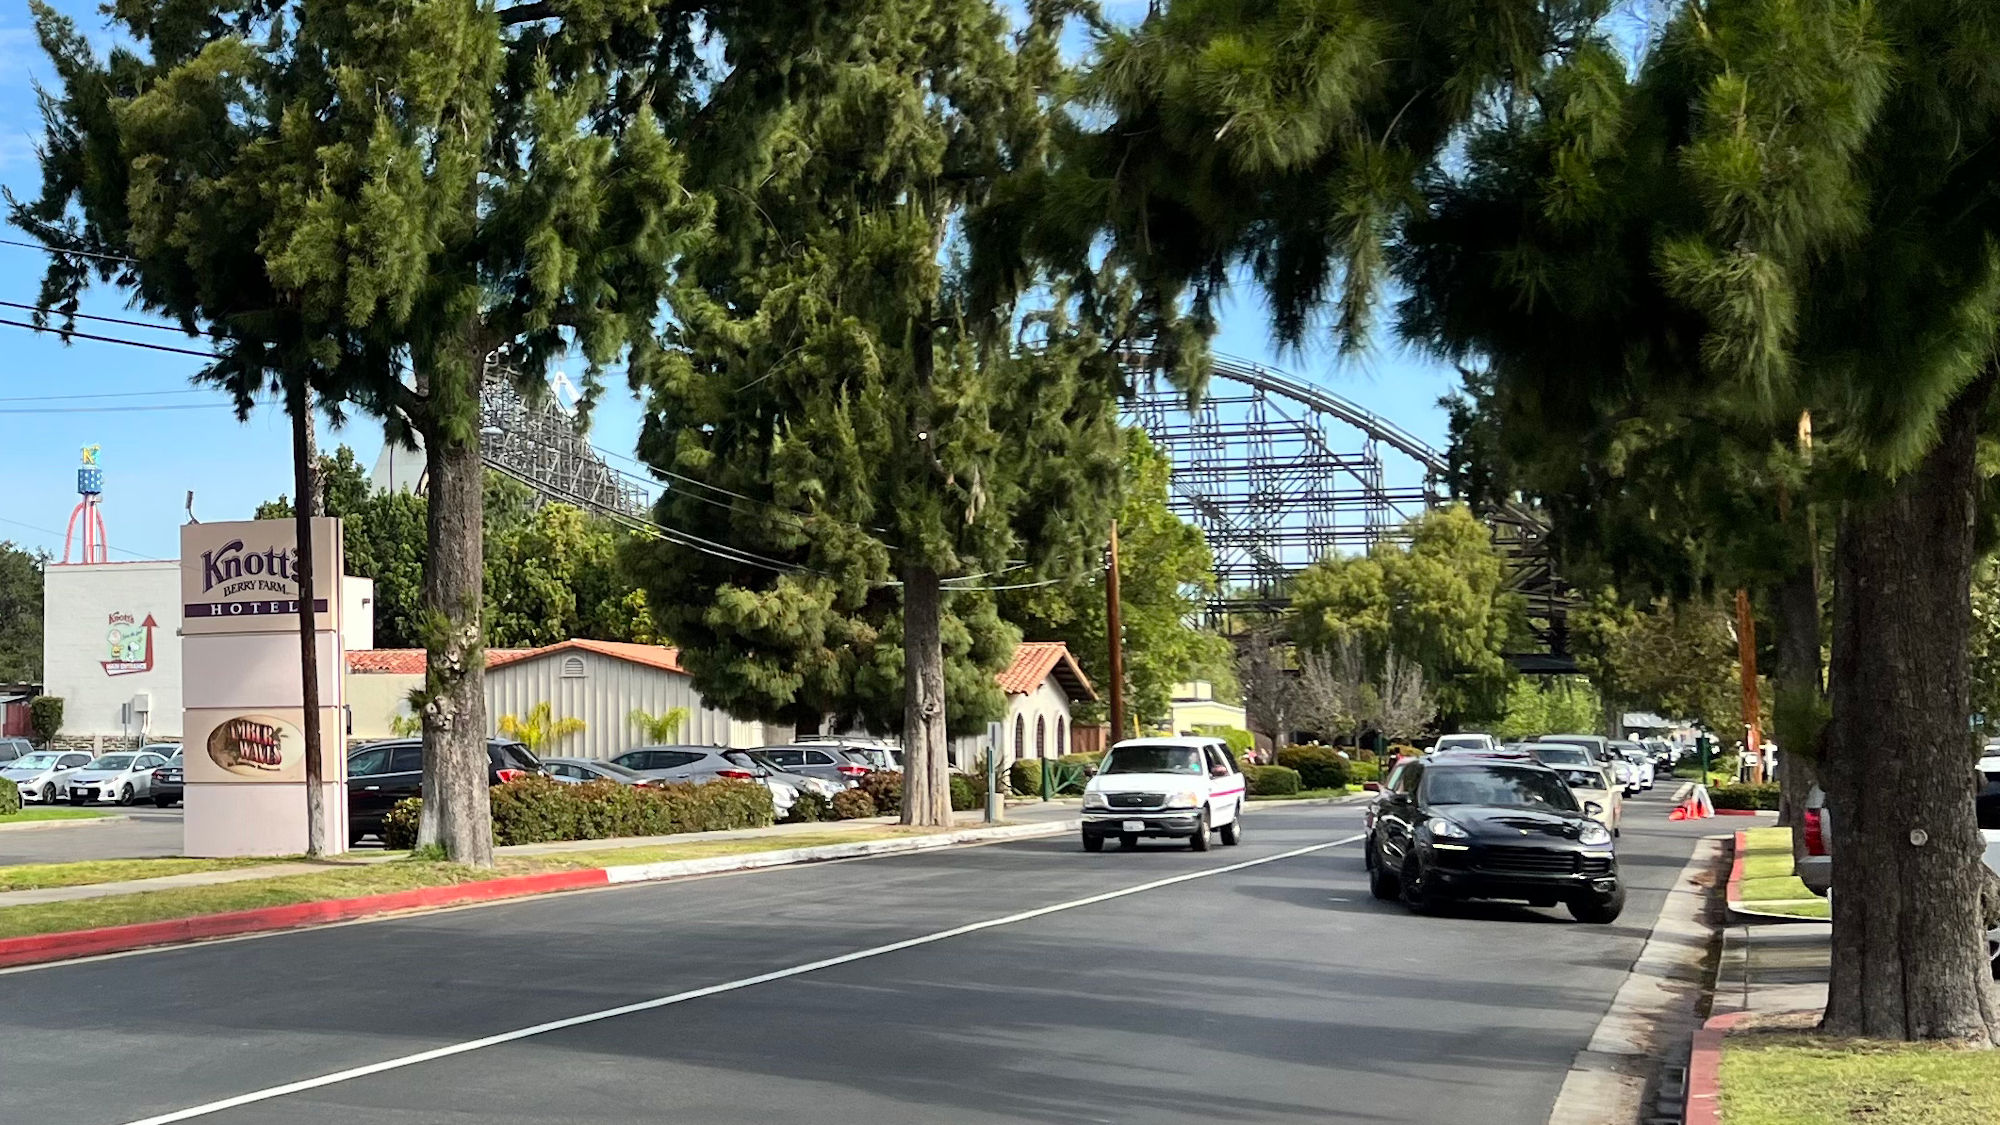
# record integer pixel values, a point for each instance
(1024, 814)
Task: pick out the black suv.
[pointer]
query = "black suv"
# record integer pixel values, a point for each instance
(383, 773)
(1465, 826)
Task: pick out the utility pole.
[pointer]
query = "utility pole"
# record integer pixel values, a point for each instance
(1114, 629)
(1746, 660)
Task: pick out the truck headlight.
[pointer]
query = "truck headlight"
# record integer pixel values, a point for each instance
(1187, 799)
(1094, 800)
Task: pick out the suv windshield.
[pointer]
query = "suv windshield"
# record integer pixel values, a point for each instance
(111, 762)
(1497, 785)
(1562, 755)
(1152, 759)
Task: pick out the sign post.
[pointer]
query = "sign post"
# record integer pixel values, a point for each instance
(244, 721)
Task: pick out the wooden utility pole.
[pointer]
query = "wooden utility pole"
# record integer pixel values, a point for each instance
(1114, 629)
(1746, 660)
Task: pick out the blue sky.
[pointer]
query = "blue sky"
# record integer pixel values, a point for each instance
(164, 439)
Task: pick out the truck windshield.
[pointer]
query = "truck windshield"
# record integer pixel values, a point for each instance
(1152, 759)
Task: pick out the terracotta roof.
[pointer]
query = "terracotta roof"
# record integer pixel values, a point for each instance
(652, 656)
(388, 661)
(1035, 661)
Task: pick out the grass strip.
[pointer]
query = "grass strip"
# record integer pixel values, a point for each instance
(36, 876)
(1768, 877)
(1771, 1078)
(353, 880)
(32, 815)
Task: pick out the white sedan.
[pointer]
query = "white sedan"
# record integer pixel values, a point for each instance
(40, 775)
(123, 777)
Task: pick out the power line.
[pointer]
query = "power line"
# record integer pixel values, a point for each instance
(129, 322)
(109, 339)
(46, 249)
(108, 394)
(54, 534)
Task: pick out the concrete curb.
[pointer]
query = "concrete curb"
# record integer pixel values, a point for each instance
(73, 822)
(1733, 893)
(39, 948)
(1704, 1094)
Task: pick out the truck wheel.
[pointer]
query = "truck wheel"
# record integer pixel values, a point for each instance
(1232, 833)
(1092, 843)
(1199, 841)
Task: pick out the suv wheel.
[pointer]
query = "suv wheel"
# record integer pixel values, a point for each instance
(1598, 911)
(1415, 896)
(1199, 841)
(1381, 883)
(1232, 833)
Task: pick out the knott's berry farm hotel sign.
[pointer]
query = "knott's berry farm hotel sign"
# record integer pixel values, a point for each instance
(242, 577)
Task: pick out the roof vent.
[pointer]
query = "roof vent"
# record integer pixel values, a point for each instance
(572, 668)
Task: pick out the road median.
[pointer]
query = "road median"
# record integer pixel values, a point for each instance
(345, 892)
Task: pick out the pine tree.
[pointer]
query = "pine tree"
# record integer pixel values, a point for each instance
(383, 204)
(854, 440)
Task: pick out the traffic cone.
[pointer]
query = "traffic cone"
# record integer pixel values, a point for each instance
(1678, 812)
(1699, 806)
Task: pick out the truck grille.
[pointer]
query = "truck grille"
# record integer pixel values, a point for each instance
(1134, 800)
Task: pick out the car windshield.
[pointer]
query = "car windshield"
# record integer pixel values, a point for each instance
(1583, 779)
(111, 762)
(1497, 785)
(1562, 755)
(1152, 759)
(39, 760)
(519, 756)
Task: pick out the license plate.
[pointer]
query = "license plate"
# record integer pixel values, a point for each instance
(1135, 826)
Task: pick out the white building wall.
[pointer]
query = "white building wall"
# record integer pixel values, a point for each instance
(603, 696)
(82, 605)
(357, 613)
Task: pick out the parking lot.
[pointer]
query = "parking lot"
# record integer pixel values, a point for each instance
(1265, 984)
(131, 833)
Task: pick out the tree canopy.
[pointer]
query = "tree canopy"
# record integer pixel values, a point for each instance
(21, 613)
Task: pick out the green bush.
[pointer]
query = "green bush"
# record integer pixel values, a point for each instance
(1025, 777)
(1361, 754)
(853, 804)
(1237, 739)
(1358, 772)
(1271, 781)
(10, 797)
(1318, 767)
(399, 824)
(885, 789)
(1763, 796)
(536, 810)
(809, 807)
(968, 792)
(45, 717)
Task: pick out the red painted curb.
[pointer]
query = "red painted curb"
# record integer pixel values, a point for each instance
(1704, 1090)
(1733, 892)
(37, 948)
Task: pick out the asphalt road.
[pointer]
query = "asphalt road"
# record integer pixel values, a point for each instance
(141, 831)
(1277, 991)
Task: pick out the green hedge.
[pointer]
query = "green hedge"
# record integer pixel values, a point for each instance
(1271, 781)
(885, 788)
(536, 810)
(10, 797)
(1358, 772)
(853, 804)
(809, 807)
(968, 792)
(1318, 766)
(1764, 796)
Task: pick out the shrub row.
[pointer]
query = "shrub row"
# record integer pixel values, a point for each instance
(1318, 766)
(10, 797)
(1271, 781)
(1358, 772)
(536, 810)
(1763, 796)
(1025, 775)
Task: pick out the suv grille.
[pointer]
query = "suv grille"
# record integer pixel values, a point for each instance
(1535, 860)
(1133, 800)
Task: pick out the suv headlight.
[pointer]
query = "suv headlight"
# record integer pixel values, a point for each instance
(1445, 830)
(1186, 799)
(1094, 800)
(1594, 834)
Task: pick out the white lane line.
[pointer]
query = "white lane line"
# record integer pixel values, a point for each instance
(518, 1034)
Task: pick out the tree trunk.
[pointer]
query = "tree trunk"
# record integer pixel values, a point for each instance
(1798, 706)
(456, 813)
(1909, 957)
(926, 773)
(305, 465)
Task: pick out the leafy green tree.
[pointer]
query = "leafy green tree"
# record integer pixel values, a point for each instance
(1677, 660)
(864, 440)
(21, 613)
(1440, 602)
(1788, 208)
(1167, 572)
(1552, 705)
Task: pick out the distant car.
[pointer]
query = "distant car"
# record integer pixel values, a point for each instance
(837, 764)
(168, 783)
(1176, 787)
(873, 754)
(580, 770)
(1598, 745)
(1467, 827)
(706, 763)
(12, 748)
(803, 782)
(382, 773)
(1641, 762)
(41, 774)
(1465, 742)
(1587, 777)
(124, 777)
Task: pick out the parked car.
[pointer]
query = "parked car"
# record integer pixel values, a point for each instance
(1183, 788)
(12, 748)
(383, 773)
(168, 783)
(803, 782)
(706, 763)
(1587, 777)
(124, 777)
(836, 764)
(1481, 828)
(871, 753)
(1641, 761)
(1465, 742)
(1598, 745)
(40, 775)
(577, 771)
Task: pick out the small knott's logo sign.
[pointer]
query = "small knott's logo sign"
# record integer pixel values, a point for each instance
(249, 583)
(129, 644)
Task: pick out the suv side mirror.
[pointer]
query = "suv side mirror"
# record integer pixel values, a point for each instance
(1218, 771)
(1371, 787)
(1592, 808)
